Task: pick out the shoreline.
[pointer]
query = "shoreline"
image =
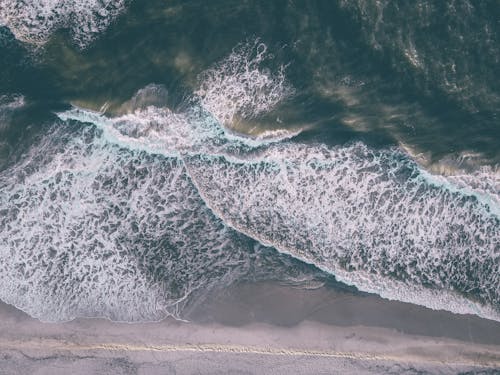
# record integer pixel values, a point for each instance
(283, 305)
(259, 327)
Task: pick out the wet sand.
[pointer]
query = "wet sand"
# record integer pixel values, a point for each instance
(257, 329)
(288, 306)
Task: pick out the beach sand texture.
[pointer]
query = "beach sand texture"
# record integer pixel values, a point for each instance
(257, 329)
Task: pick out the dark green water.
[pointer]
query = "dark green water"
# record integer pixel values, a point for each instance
(351, 60)
(380, 84)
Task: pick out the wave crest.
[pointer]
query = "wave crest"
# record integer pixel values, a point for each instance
(240, 87)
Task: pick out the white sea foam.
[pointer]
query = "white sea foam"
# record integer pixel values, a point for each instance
(371, 217)
(485, 182)
(236, 87)
(93, 224)
(239, 85)
(90, 229)
(35, 21)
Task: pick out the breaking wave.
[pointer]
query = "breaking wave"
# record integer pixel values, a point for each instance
(88, 228)
(371, 218)
(238, 86)
(34, 21)
(144, 208)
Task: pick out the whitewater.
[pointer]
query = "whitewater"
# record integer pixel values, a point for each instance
(127, 217)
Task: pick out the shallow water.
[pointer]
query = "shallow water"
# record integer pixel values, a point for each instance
(152, 151)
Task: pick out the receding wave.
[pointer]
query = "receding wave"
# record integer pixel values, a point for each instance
(369, 217)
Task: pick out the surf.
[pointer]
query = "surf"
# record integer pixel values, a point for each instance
(371, 217)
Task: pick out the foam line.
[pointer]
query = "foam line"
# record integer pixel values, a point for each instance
(364, 216)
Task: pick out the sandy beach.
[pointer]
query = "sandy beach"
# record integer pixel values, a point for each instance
(257, 329)
(231, 187)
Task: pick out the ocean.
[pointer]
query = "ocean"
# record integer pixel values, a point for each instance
(154, 151)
